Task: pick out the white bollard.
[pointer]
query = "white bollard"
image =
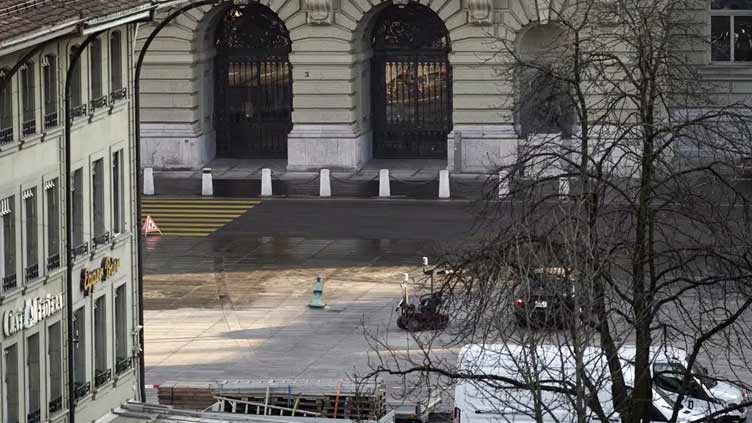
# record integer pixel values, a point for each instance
(384, 188)
(444, 184)
(148, 181)
(564, 188)
(503, 184)
(207, 184)
(266, 182)
(325, 186)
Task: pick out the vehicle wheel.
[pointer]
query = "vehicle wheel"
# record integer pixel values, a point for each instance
(401, 323)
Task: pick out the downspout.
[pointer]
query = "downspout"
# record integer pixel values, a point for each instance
(69, 224)
(139, 182)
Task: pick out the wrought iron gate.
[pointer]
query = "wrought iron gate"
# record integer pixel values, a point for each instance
(411, 77)
(253, 93)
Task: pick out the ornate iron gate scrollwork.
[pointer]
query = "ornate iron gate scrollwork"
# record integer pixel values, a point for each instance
(411, 77)
(253, 93)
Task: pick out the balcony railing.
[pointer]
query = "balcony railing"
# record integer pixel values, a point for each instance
(9, 282)
(53, 262)
(55, 406)
(78, 111)
(82, 389)
(123, 365)
(29, 127)
(31, 272)
(102, 239)
(6, 136)
(81, 249)
(119, 94)
(98, 103)
(102, 377)
(34, 416)
(50, 120)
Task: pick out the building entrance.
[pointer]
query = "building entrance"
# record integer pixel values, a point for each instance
(411, 83)
(253, 93)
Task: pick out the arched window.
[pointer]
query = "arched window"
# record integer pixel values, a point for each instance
(49, 79)
(76, 100)
(6, 111)
(28, 97)
(116, 66)
(95, 66)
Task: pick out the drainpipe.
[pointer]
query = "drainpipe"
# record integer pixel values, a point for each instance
(69, 224)
(139, 181)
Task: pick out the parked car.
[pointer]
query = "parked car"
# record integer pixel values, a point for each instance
(544, 298)
(554, 365)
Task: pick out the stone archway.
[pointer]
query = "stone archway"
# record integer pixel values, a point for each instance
(253, 84)
(411, 83)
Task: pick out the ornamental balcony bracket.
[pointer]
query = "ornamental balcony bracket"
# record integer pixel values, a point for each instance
(319, 12)
(480, 12)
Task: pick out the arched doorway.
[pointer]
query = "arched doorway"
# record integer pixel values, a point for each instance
(253, 93)
(411, 83)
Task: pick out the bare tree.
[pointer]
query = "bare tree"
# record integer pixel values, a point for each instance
(626, 183)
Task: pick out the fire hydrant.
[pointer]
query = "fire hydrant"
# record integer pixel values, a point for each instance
(318, 294)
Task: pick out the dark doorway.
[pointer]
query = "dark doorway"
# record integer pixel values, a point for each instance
(411, 77)
(253, 93)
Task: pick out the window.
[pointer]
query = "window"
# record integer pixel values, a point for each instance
(77, 239)
(544, 104)
(28, 96)
(53, 224)
(76, 100)
(8, 243)
(101, 371)
(117, 192)
(55, 371)
(731, 30)
(49, 73)
(122, 359)
(11, 384)
(97, 193)
(116, 65)
(32, 252)
(95, 66)
(33, 384)
(79, 354)
(6, 111)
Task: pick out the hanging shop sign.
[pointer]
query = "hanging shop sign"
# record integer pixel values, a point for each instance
(90, 279)
(32, 312)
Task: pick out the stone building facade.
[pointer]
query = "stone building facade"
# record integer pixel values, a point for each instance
(358, 80)
(35, 54)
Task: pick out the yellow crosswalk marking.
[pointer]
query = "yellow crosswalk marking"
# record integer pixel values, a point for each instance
(194, 216)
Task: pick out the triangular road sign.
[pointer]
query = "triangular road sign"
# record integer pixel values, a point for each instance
(150, 227)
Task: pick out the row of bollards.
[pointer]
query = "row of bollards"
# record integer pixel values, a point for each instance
(325, 185)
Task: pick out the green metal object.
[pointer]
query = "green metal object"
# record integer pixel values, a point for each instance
(318, 294)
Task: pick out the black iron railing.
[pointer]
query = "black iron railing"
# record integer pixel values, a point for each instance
(31, 272)
(29, 127)
(102, 377)
(78, 111)
(81, 249)
(50, 120)
(53, 262)
(102, 239)
(34, 416)
(9, 282)
(55, 405)
(82, 389)
(98, 103)
(123, 365)
(6, 136)
(119, 94)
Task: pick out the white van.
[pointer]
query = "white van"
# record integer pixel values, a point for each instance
(550, 365)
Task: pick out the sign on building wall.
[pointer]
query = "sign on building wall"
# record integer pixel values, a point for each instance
(90, 279)
(33, 311)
